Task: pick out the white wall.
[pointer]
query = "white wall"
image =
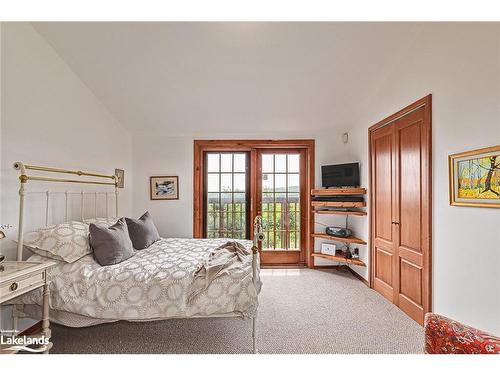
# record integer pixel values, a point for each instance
(49, 117)
(164, 156)
(460, 66)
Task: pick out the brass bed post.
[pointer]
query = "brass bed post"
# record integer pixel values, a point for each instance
(116, 197)
(258, 237)
(22, 181)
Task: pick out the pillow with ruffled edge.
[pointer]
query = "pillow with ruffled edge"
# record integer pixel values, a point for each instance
(67, 241)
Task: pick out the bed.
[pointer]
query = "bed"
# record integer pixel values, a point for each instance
(159, 282)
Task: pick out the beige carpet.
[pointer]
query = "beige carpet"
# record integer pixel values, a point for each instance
(301, 311)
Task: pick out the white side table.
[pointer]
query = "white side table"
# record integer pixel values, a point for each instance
(18, 278)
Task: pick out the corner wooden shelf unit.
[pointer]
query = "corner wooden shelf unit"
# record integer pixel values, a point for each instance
(340, 208)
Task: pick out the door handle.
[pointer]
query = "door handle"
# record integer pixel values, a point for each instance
(395, 222)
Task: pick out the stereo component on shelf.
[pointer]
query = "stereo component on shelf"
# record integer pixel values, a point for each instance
(338, 231)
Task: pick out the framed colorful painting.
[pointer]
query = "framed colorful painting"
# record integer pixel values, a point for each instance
(475, 178)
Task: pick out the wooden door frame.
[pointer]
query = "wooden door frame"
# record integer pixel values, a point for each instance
(201, 146)
(426, 103)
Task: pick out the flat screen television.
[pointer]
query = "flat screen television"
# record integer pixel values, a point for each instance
(339, 175)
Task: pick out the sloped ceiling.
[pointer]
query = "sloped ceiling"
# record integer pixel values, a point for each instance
(231, 78)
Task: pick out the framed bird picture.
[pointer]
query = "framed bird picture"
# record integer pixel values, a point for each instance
(164, 187)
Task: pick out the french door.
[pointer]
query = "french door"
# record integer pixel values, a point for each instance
(236, 180)
(281, 199)
(227, 195)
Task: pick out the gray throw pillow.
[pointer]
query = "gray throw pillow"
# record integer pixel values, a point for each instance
(111, 245)
(143, 232)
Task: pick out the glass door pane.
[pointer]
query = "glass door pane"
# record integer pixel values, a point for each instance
(281, 201)
(226, 195)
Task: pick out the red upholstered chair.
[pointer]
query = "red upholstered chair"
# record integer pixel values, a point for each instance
(445, 336)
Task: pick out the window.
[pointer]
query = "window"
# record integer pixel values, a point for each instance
(226, 195)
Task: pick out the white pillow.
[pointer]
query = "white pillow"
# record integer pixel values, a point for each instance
(103, 221)
(67, 242)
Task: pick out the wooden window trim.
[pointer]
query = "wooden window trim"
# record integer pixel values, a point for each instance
(201, 146)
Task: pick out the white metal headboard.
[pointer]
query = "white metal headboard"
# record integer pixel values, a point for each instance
(24, 178)
(67, 202)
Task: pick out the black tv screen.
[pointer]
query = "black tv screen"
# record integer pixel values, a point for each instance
(338, 175)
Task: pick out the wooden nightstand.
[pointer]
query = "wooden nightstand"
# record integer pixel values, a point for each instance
(17, 278)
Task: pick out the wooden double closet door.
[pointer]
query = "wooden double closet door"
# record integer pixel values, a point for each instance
(401, 207)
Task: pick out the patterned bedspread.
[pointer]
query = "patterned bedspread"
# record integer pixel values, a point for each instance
(153, 284)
